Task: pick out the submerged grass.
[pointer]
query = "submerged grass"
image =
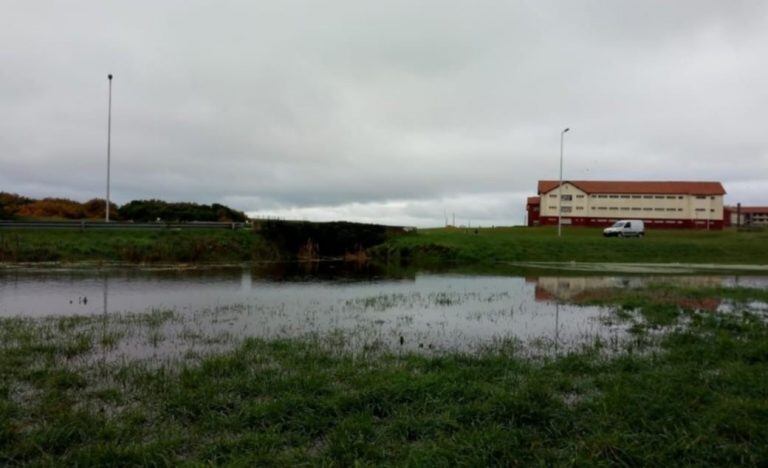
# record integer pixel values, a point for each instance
(695, 395)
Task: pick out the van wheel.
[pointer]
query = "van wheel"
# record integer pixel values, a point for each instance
(621, 234)
(642, 234)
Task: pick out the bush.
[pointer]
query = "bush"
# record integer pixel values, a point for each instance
(94, 208)
(152, 210)
(53, 208)
(11, 203)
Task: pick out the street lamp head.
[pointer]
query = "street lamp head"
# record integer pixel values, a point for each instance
(109, 76)
(566, 130)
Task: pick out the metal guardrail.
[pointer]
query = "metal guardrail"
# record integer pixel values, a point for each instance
(90, 225)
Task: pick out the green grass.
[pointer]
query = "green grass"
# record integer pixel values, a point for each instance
(697, 395)
(489, 246)
(486, 248)
(133, 246)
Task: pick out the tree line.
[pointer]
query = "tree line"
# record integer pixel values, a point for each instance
(14, 206)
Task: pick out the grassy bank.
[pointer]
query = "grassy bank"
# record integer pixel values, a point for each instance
(489, 246)
(696, 394)
(133, 246)
(467, 248)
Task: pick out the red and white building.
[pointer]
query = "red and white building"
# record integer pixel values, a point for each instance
(746, 216)
(660, 204)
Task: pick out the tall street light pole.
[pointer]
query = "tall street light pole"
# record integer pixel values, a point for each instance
(560, 189)
(109, 144)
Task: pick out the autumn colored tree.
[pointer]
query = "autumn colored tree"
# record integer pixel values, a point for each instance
(53, 208)
(11, 204)
(94, 209)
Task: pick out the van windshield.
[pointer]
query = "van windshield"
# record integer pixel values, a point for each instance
(618, 224)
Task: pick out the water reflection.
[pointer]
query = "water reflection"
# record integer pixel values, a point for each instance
(360, 308)
(581, 289)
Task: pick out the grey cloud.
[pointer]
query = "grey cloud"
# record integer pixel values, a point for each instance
(342, 109)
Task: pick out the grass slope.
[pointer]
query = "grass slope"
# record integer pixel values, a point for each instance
(697, 395)
(133, 246)
(577, 244)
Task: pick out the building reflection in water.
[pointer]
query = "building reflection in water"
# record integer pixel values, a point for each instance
(559, 289)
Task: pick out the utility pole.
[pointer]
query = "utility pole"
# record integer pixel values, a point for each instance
(109, 144)
(560, 189)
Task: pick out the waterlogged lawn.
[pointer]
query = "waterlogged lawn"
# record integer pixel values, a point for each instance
(689, 388)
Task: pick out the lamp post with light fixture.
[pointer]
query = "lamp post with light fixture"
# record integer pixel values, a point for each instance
(560, 188)
(109, 144)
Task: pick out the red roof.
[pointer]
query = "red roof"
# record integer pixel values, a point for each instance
(644, 187)
(534, 200)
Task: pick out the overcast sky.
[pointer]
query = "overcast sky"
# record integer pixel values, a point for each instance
(387, 111)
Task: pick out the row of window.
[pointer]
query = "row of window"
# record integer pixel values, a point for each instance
(658, 197)
(568, 209)
(653, 221)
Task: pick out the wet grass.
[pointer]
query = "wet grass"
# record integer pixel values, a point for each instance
(491, 245)
(134, 246)
(696, 394)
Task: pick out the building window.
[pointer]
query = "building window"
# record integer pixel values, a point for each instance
(671, 209)
(565, 209)
(636, 196)
(647, 196)
(613, 208)
(658, 196)
(602, 196)
(635, 209)
(567, 197)
(671, 197)
(647, 209)
(579, 207)
(552, 207)
(700, 209)
(613, 196)
(625, 196)
(701, 197)
(658, 209)
(680, 197)
(579, 196)
(711, 198)
(552, 195)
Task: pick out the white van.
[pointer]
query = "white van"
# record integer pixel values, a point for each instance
(625, 228)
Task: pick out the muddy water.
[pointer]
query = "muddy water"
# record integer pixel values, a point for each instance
(216, 308)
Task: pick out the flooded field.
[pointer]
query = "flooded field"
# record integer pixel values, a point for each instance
(172, 314)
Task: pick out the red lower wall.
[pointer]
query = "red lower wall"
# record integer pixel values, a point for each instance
(649, 223)
(533, 215)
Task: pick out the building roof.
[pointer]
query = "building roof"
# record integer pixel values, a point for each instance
(749, 209)
(635, 186)
(533, 201)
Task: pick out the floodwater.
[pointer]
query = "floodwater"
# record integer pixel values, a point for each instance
(213, 309)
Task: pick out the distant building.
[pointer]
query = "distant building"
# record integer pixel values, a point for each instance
(532, 207)
(660, 204)
(746, 215)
